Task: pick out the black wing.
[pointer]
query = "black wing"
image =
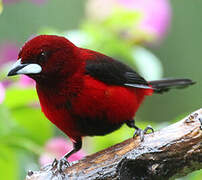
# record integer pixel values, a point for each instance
(113, 72)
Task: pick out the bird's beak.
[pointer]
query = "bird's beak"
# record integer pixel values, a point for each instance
(19, 68)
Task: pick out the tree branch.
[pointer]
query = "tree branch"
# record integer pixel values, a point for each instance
(173, 151)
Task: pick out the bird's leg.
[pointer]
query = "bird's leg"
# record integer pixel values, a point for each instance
(138, 131)
(63, 162)
(58, 166)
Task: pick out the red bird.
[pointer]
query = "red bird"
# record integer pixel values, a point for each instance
(83, 92)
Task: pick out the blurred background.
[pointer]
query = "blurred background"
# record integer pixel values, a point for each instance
(159, 39)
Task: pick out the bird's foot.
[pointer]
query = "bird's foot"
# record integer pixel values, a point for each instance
(60, 165)
(193, 117)
(57, 167)
(141, 133)
(200, 119)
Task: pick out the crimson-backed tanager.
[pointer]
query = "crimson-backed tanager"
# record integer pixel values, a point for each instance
(83, 92)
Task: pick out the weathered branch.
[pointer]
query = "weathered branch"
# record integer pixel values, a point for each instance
(173, 151)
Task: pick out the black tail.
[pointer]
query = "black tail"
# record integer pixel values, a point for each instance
(164, 85)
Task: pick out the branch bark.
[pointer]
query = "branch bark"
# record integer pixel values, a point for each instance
(173, 151)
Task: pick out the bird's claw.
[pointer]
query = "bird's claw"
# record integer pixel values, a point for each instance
(200, 120)
(57, 167)
(192, 118)
(141, 133)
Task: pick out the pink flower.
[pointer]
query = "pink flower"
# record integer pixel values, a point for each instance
(25, 81)
(6, 83)
(157, 14)
(57, 148)
(152, 24)
(8, 52)
(2, 93)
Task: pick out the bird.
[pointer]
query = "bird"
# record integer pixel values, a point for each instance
(84, 92)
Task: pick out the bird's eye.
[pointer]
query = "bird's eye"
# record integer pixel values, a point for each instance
(42, 56)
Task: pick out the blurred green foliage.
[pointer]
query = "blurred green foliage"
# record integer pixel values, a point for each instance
(16, 131)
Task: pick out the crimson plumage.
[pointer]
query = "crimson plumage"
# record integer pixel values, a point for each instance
(83, 92)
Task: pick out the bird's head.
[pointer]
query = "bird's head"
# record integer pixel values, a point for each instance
(46, 56)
